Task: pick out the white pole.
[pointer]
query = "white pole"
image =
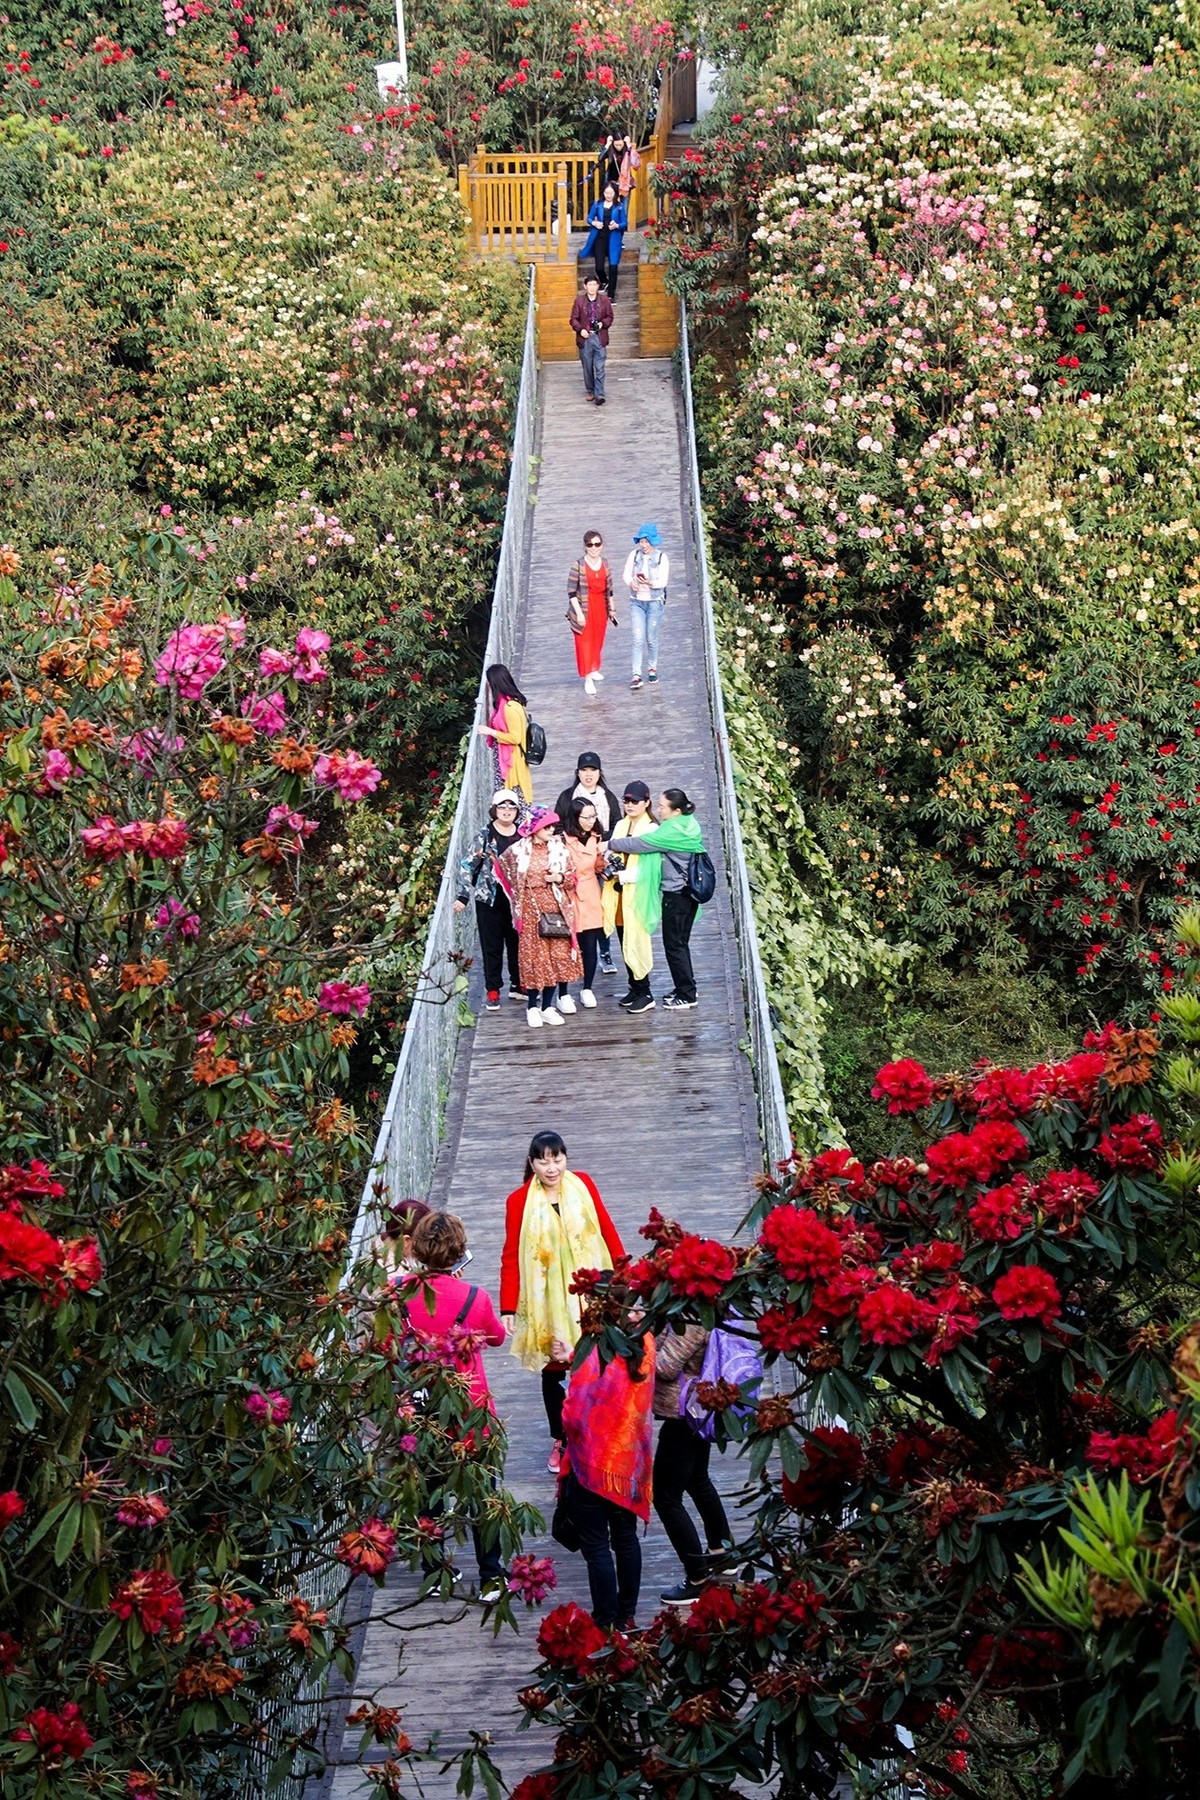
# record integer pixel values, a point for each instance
(402, 46)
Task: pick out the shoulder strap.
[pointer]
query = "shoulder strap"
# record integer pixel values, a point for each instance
(466, 1306)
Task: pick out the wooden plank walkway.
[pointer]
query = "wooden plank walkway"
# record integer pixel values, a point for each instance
(659, 1109)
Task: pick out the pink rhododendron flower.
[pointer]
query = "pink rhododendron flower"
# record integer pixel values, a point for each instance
(168, 839)
(190, 659)
(341, 997)
(532, 1578)
(57, 770)
(271, 1408)
(267, 713)
(175, 920)
(103, 841)
(310, 647)
(352, 775)
(145, 747)
(274, 662)
(281, 821)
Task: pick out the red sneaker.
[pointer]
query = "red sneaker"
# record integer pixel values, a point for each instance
(493, 1000)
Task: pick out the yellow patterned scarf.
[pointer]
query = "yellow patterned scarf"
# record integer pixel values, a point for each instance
(555, 1241)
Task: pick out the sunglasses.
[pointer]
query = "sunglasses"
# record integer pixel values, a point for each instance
(593, 543)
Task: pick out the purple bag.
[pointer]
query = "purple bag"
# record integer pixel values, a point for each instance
(728, 1356)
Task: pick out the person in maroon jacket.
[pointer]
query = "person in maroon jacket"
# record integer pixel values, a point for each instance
(568, 1227)
(591, 317)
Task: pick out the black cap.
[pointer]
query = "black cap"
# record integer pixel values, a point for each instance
(587, 759)
(636, 790)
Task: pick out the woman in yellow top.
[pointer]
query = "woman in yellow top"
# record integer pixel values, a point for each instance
(508, 728)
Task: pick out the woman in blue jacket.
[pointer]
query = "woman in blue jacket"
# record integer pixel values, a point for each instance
(608, 219)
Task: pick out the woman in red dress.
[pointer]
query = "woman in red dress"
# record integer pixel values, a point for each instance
(590, 608)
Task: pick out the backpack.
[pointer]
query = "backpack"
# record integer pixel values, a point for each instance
(701, 877)
(728, 1356)
(535, 743)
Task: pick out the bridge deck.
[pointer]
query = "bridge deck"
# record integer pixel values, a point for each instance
(659, 1109)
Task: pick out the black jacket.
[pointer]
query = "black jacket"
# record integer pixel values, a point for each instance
(616, 812)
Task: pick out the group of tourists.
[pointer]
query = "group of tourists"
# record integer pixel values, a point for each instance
(601, 1415)
(551, 886)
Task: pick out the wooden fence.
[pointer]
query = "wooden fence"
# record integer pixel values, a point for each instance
(526, 205)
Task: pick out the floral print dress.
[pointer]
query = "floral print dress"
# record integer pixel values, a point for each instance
(536, 889)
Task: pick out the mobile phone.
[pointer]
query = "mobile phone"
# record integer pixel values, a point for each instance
(462, 1262)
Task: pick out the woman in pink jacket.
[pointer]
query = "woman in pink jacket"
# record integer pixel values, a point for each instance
(459, 1319)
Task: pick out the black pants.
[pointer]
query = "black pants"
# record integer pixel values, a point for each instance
(497, 934)
(487, 1556)
(608, 1538)
(554, 1392)
(681, 1467)
(601, 258)
(678, 917)
(539, 998)
(589, 949)
(613, 271)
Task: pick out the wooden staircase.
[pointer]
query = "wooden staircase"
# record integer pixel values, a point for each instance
(645, 316)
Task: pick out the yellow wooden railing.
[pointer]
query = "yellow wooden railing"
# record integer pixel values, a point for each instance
(526, 205)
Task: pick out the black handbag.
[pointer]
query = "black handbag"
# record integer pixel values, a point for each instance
(553, 925)
(563, 1528)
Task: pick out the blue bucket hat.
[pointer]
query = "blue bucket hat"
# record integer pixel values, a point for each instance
(650, 532)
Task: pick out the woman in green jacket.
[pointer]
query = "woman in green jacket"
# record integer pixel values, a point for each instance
(673, 841)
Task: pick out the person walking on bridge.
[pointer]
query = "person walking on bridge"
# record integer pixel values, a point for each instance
(591, 321)
(493, 914)
(647, 570)
(608, 1475)
(538, 876)
(554, 1223)
(608, 221)
(508, 728)
(639, 904)
(590, 609)
(671, 844)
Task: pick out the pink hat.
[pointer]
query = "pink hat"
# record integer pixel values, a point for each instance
(539, 818)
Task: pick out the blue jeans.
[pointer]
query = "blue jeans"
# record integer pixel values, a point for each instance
(593, 355)
(645, 621)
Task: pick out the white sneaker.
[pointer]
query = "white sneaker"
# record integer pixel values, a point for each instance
(533, 1018)
(589, 686)
(586, 997)
(551, 1017)
(597, 676)
(566, 1004)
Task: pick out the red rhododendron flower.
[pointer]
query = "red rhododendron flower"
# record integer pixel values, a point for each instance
(1134, 1144)
(937, 1258)
(804, 1247)
(167, 839)
(954, 1319)
(1010, 1093)
(154, 1597)
(369, 1549)
(1065, 1195)
(915, 1456)
(1142, 1458)
(27, 1253)
(568, 1636)
(841, 1166)
(1000, 1214)
(58, 1735)
(27, 1183)
(143, 1511)
(1027, 1292)
(700, 1267)
(891, 1314)
(535, 1787)
(784, 1330)
(1078, 1078)
(80, 1263)
(976, 1155)
(834, 1462)
(905, 1086)
(715, 1610)
(1020, 1657)
(10, 1652)
(11, 1507)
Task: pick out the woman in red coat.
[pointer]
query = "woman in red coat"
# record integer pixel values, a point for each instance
(554, 1223)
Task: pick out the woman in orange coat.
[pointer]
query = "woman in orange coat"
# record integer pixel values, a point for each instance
(554, 1223)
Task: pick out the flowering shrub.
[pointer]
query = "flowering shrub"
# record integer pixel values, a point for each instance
(203, 1436)
(879, 1617)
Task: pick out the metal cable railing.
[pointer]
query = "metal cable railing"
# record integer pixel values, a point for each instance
(410, 1133)
(772, 1107)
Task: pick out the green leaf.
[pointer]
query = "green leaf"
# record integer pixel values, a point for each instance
(68, 1532)
(20, 1402)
